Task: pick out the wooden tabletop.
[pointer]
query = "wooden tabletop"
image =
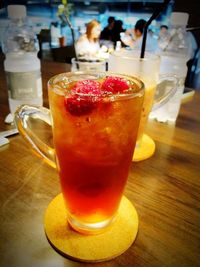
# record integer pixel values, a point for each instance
(164, 189)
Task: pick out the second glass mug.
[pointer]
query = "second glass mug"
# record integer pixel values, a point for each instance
(147, 69)
(94, 143)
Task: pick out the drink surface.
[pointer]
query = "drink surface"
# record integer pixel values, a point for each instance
(94, 149)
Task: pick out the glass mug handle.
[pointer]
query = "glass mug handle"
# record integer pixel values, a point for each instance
(22, 115)
(165, 92)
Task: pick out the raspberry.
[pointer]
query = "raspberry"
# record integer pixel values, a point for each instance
(114, 84)
(83, 97)
(77, 106)
(87, 87)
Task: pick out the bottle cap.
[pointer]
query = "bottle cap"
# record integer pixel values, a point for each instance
(179, 18)
(16, 11)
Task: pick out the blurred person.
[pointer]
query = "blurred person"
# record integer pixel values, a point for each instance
(108, 32)
(133, 37)
(88, 43)
(163, 30)
(163, 37)
(117, 30)
(135, 33)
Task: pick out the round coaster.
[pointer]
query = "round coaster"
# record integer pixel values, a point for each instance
(145, 150)
(90, 248)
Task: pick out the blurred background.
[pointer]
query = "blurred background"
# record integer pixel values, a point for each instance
(49, 27)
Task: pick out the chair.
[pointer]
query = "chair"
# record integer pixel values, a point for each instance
(43, 37)
(63, 54)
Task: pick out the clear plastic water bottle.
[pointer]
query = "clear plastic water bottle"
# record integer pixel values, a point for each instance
(21, 65)
(174, 56)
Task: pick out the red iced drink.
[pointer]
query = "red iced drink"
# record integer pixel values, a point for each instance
(95, 125)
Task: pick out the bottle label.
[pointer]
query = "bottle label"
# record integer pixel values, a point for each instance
(24, 85)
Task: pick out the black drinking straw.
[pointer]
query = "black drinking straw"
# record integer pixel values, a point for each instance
(154, 16)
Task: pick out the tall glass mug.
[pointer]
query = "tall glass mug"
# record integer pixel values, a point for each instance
(147, 69)
(94, 135)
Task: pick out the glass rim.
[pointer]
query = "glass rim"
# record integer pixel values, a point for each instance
(135, 55)
(79, 61)
(96, 75)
